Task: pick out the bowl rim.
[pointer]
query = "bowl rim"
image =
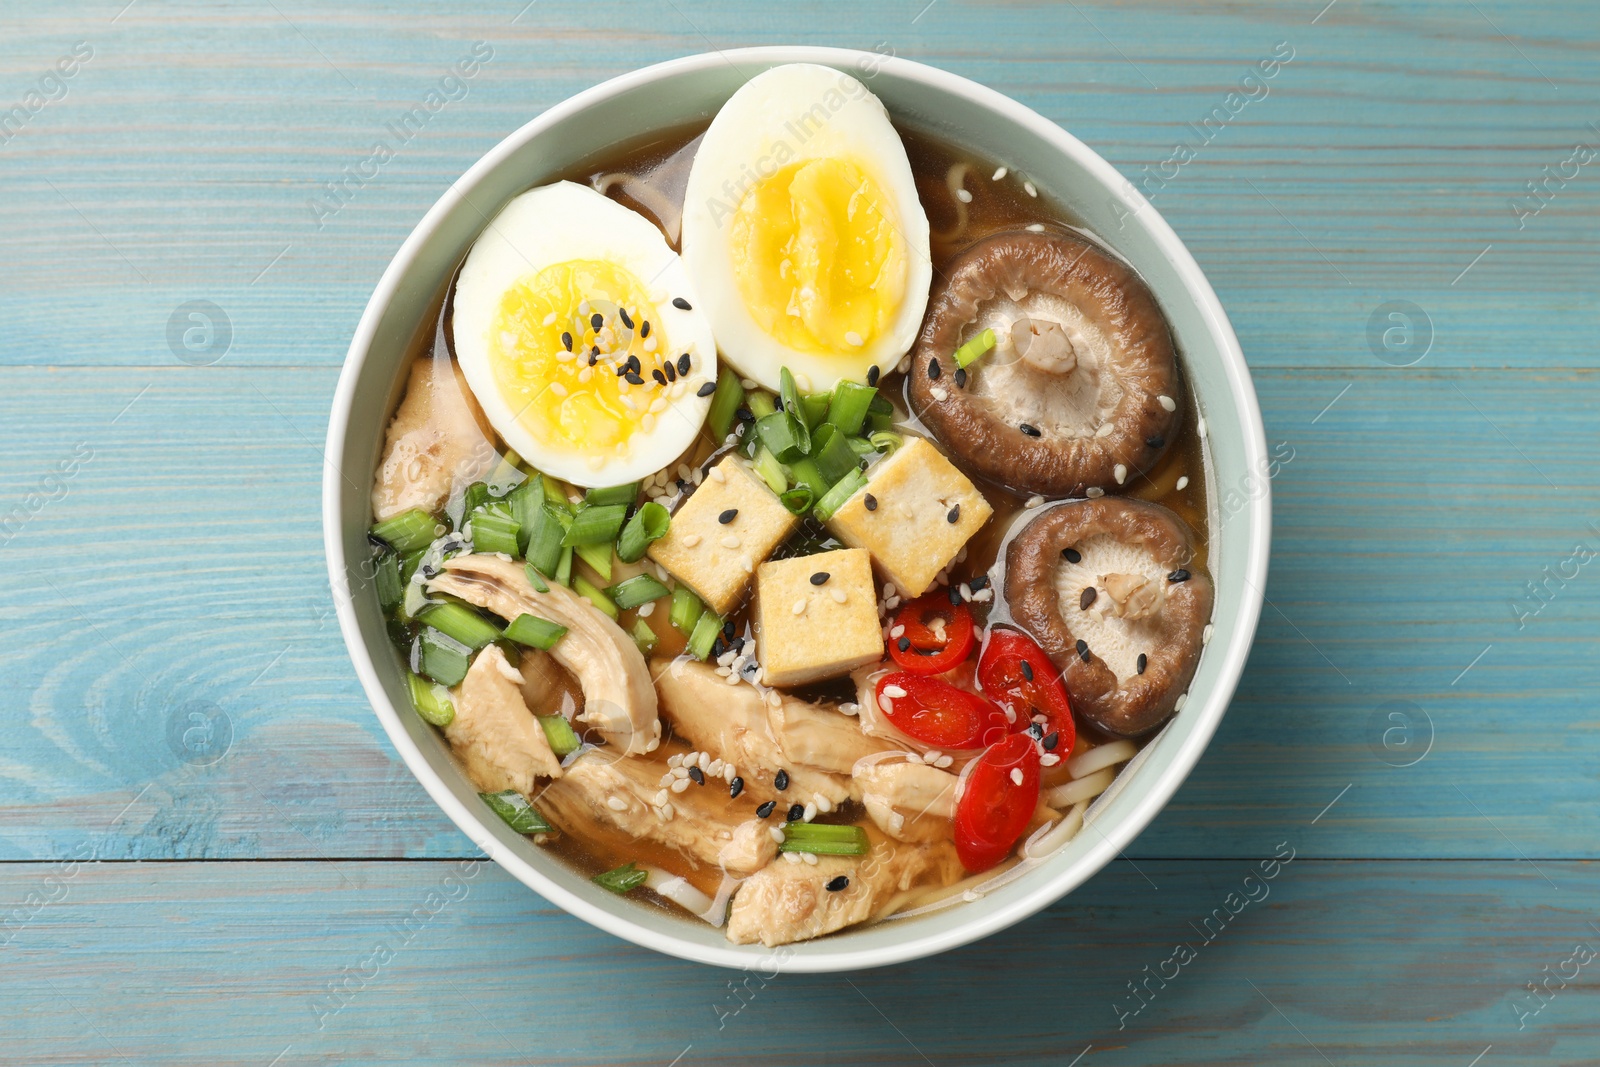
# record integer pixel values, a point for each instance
(981, 922)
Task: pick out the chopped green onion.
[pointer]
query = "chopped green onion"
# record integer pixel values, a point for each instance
(836, 459)
(431, 700)
(594, 595)
(441, 657)
(880, 406)
(408, 532)
(622, 879)
(824, 839)
(686, 610)
(505, 476)
(535, 632)
(409, 561)
(554, 494)
(461, 623)
(771, 471)
(460, 508)
(648, 524)
(783, 435)
(886, 441)
(974, 348)
(790, 393)
(644, 635)
(596, 524)
(804, 472)
(616, 494)
(413, 601)
(815, 408)
(563, 572)
(760, 403)
(536, 579)
(544, 543)
(880, 423)
(798, 500)
(514, 808)
(386, 577)
(724, 402)
(558, 731)
(848, 407)
(526, 502)
(834, 498)
(861, 446)
(640, 589)
(598, 557)
(705, 634)
(494, 529)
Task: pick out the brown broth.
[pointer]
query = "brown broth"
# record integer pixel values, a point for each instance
(649, 176)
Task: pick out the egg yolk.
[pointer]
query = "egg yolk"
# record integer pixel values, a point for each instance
(818, 256)
(570, 396)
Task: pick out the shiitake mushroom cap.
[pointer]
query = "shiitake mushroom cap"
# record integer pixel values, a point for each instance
(1038, 430)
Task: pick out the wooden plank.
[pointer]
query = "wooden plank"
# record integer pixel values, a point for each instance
(1381, 161)
(429, 963)
(183, 566)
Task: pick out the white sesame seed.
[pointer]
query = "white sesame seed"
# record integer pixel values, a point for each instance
(681, 784)
(690, 540)
(1183, 698)
(963, 196)
(749, 564)
(717, 475)
(896, 630)
(1034, 501)
(773, 698)
(675, 760)
(894, 692)
(799, 606)
(647, 609)
(647, 422)
(1094, 492)
(681, 772)
(939, 394)
(852, 338)
(659, 404)
(1200, 428)
(885, 703)
(1035, 227)
(791, 857)
(616, 804)
(566, 357)
(550, 319)
(1167, 402)
(558, 389)
(1205, 635)
(849, 707)
(777, 835)
(1106, 429)
(662, 797)
(998, 174)
(810, 812)
(888, 590)
(585, 374)
(839, 596)
(748, 383)
(1049, 759)
(1183, 482)
(1028, 188)
(649, 344)
(1016, 775)
(809, 857)
(931, 756)
(730, 541)
(944, 761)
(1121, 473)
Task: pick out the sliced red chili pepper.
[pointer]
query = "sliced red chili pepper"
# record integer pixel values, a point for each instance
(998, 797)
(935, 635)
(937, 713)
(1016, 674)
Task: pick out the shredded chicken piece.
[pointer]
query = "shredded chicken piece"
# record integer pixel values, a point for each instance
(497, 739)
(437, 438)
(909, 801)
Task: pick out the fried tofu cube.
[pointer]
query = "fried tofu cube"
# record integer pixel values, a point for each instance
(714, 558)
(812, 627)
(914, 516)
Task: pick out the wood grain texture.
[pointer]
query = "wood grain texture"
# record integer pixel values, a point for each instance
(176, 571)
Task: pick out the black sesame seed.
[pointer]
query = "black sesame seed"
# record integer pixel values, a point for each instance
(978, 583)
(871, 502)
(1036, 731)
(594, 351)
(1071, 555)
(797, 812)
(622, 313)
(597, 320)
(728, 630)
(1051, 740)
(717, 648)
(1143, 661)
(961, 377)
(1083, 650)
(566, 341)
(933, 370)
(706, 390)
(632, 378)
(684, 363)
(1087, 597)
(736, 786)
(1179, 575)
(1155, 442)
(837, 884)
(661, 379)
(872, 374)
(681, 304)
(672, 371)
(904, 644)
(766, 809)
(1031, 431)
(728, 516)
(697, 775)
(744, 415)
(1027, 670)
(954, 593)
(780, 781)
(634, 365)
(644, 328)
(819, 578)
(953, 516)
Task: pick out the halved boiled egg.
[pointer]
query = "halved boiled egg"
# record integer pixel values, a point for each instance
(802, 228)
(578, 331)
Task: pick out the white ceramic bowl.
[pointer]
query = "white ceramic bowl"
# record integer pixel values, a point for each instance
(669, 95)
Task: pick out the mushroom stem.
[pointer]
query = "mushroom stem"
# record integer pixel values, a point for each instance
(1045, 344)
(1131, 596)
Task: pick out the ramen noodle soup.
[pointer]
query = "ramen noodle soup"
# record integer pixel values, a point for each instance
(795, 521)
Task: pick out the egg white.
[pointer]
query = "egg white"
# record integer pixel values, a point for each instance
(554, 224)
(790, 114)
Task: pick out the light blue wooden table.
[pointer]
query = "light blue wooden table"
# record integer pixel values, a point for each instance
(290, 896)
